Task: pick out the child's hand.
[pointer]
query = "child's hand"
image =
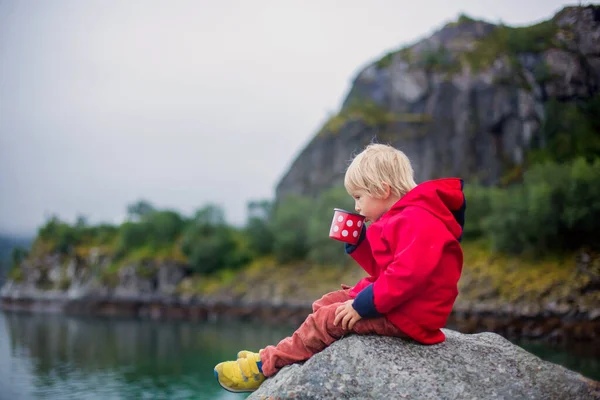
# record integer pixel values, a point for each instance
(347, 315)
(344, 287)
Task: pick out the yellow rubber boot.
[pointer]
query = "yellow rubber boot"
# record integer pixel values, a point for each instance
(246, 354)
(242, 375)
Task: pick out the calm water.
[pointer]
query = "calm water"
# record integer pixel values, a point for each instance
(60, 357)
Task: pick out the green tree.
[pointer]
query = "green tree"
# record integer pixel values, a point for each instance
(208, 253)
(210, 244)
(139, 209)
(209, 217)
(62, 237)
(556, 208)
(103, 234)
(165, 227)
(258, 228)
(478, 209)
(323, 249)
(17, 256)
(290, 228)
(133, 235)
(581, 214)
(570, 130)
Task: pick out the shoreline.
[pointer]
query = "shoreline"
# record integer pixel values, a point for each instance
(547, 327)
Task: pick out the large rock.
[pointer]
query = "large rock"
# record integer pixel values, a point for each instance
(480, 366)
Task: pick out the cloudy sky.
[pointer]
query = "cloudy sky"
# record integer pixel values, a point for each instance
(184, 102)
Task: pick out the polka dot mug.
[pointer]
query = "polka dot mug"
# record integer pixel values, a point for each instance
(346, 226)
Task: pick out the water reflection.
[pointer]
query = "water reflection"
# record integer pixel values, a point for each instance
(583, 357)
(60, 357)
(51, 356)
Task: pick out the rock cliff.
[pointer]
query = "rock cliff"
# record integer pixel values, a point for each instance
(481, 366)
(468, 101)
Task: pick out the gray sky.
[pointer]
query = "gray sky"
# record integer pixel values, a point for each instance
(184, 102)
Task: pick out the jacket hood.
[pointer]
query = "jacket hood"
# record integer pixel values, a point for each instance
(443, 198)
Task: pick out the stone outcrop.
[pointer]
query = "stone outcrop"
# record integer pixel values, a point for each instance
(53, 277)
(480, 366)
(468, 101)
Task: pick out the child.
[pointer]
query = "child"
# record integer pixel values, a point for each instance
(411, 252)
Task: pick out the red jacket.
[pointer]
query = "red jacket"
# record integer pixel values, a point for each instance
(414, 260)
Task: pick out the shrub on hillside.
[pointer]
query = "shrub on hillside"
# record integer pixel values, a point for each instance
(323, 249)
(478, 200)
(210, 244)
(290, 228)
(258, 230)
(61, 236)
(556, 208)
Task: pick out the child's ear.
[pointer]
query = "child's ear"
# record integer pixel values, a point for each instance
(387, 190)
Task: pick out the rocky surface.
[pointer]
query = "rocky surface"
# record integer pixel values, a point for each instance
(468, 101)
(480, 366)
(54, 276)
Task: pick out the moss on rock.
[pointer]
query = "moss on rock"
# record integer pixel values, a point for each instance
(510, 41)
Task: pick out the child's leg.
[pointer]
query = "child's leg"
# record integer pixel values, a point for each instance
(316, 333)
(329, 298)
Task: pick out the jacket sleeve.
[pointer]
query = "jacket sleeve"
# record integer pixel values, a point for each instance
(362, 253)
(417, 253)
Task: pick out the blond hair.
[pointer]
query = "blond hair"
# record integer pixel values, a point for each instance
(378, 164)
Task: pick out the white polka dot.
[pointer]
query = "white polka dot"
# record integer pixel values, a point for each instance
(344, 233)
(359, 224)
(340, 218)
(336, 228)
(355, 233)
(349, 223)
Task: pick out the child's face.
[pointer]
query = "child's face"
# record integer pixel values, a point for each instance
(371, 207)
